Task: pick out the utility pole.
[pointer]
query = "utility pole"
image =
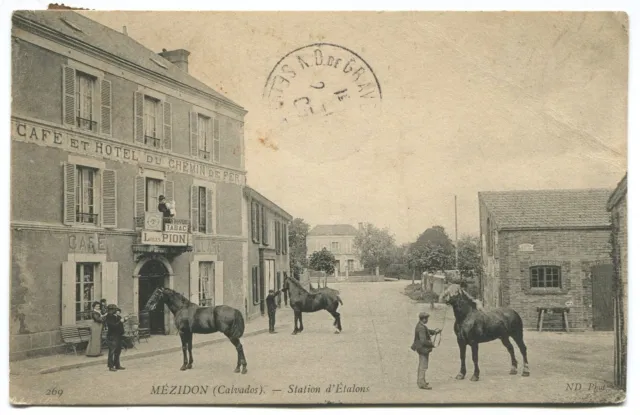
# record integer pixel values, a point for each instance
(456, 236)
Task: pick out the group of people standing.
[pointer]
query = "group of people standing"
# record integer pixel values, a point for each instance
(108, 316)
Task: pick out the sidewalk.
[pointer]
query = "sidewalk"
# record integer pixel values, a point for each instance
(152, 346)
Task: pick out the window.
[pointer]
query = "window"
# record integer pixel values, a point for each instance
(204, 137)
(154, 189)
(85, 289)
(265, 226)
(205, 284)
(285, 239)
(151, 122)
(278, 240)
(202, 209)
(85, 101)
(255, 222)
(351, 264)
(335, 247)
(85, 195)
(545, 277)
(255, 288)
(203, 218)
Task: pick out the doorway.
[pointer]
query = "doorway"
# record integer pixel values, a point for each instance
(602, 292)
(152, 276)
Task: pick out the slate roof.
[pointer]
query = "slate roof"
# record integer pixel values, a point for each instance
(74, 25)
(333, 230)
(571, 208)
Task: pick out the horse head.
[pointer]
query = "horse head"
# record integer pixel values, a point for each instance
(156, 298)
(455, 295)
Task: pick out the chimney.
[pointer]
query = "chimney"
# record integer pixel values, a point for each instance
(178, 57)
(360, 226)
(124, 30)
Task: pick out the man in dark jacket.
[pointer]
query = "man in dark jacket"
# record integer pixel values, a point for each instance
(115, 331)
(271, 310)
(423, 345)
(162, 207)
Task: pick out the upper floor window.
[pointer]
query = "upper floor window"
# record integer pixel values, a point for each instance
(86, 102)
(90, 196)
(147, 192)
(545, 277)
(205, 136)
(255, 222)
(335, 246)
(202, 209)
(154, 189)
(152, 120)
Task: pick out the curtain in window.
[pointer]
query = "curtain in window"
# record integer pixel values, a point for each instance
(84, 97)
(202, 136)
(85, 290)
(150, 117)
(154, 190)
(84, 194)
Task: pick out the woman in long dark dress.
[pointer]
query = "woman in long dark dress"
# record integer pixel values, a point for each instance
(94, 348)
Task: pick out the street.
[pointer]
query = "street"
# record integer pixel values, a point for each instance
(369, 362)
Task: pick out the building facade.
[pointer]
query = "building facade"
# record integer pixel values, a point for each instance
(338, 239)
(101, 127)
(268, 250)
(617, 205)
(548, 249)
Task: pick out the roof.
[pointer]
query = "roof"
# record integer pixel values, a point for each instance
(571, 208)
(333, 230)
(73, 25)
(618, 194)
(251, 192)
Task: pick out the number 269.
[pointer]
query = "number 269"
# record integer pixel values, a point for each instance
(54, 392)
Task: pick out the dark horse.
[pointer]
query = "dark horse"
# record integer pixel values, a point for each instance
(474, 326)
(302, 301)
(191, 318)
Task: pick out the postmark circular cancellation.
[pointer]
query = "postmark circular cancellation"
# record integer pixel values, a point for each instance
(318, 80)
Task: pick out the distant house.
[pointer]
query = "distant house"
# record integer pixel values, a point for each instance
(548, 248)
(618, 207)
(338, 239)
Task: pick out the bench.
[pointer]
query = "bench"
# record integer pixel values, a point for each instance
(73, 336)
(545, 310)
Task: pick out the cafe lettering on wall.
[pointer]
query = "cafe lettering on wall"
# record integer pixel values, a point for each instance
(206, 246)
(88, 243)
(86, 145)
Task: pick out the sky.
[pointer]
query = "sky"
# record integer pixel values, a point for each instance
(470, 102)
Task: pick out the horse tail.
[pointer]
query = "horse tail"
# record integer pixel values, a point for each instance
(237, 326)
(339, 299)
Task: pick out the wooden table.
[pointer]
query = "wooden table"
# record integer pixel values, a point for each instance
(543, 310)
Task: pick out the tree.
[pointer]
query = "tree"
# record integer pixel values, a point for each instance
(432, 251)
(469, 259)
(376, 247)
(322, 261)
(298, 230)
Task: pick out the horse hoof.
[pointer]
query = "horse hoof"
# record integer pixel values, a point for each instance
(337, 332)
(474, 378)
(237, 370)
(189, 366)
(183, 368)
(244, 370)
(513, 372)
(460, 376)
(525, 374)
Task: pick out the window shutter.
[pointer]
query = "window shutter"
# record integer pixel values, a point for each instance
(109, 199)
(194, 208)
(265, 226)
(68, 311)
(218, 278)
(105, 107)
(210, 217)
(277, 236)
(69, 95)
(285, 238)
(110, 282)
(168, 130)
(69, 194)
(212, 287)
(193, 128)
(168, 190)
(140, 197)
(194, 278)
(210, 137)
(216, 139)
(138, 119)
(253, 221)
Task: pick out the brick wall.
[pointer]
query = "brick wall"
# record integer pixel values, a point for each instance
(574, 251)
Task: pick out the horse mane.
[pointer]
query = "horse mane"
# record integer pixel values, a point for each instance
(473, 302)
(181, 298)
(297, 284)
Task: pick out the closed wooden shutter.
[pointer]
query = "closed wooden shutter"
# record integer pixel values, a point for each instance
(212, 286)
(68, 312)
(285, 238)
(138, 119)
(140, 197)
(194, 278)
(110, 282)
(210, 217)
(218, 289)
(193, 133)
(265, 226)
(216, 139)
(105, 107)
(168, 129)
(69, 194)
(109, 199)
(277, 236)
(194, 209)
(168, 190)
(69, 95)
(253, 221)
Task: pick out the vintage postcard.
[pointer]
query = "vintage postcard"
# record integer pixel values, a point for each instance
(318, 207)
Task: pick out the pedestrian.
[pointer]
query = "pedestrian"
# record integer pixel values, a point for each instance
(271, 310)
(115, 331)
(423, 345)
(94, 348)
(285, 287)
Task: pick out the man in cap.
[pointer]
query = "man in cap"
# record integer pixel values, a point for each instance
(423, 345)
(271, 309)
(115, 331)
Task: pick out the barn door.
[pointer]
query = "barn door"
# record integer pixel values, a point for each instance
(602, 286)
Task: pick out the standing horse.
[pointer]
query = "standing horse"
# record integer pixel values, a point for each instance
(302, 300)
(474, 326)
(191, 318)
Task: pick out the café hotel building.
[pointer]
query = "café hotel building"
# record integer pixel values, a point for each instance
(101, 127)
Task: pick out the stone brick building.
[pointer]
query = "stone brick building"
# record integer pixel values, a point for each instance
(548, 248)
(101, 127)
(338, 239)
(617, 205)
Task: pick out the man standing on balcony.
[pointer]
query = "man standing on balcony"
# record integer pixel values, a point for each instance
(162, 207)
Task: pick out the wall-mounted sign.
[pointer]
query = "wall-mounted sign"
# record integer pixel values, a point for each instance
(153, 221)
(81, 143)
(176, 227)
(525, 248)
(166, 238)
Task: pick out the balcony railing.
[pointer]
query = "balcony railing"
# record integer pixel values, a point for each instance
(82, 217)
(87, 124)
(205, 155)
(152, 141)
(139, 221)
